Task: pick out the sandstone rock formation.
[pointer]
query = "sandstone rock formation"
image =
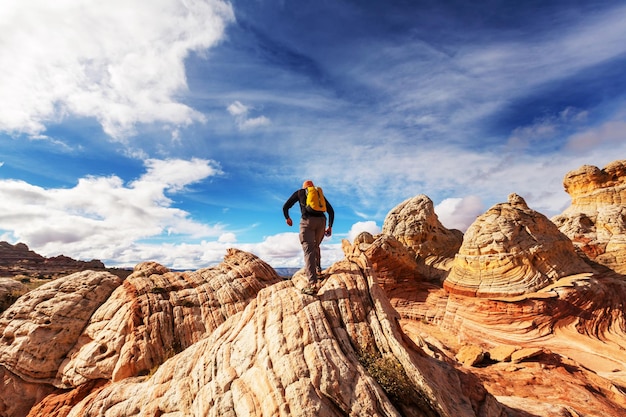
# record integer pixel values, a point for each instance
(157, 313)
(40, 329)
(536, 331)
(596, 219)
(251, 344)
(554, 353)
(244, 343)
(512, 250)
(415, 224)
(10, 290)
(547, 349)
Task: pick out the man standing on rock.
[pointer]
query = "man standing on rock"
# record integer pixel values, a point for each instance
(313, 205)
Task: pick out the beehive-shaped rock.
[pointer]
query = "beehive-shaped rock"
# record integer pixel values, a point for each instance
(415, 223)
(511, 250)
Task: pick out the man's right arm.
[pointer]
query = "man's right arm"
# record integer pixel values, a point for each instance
(289, 204)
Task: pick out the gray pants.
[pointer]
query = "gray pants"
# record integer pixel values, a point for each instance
(311, 235)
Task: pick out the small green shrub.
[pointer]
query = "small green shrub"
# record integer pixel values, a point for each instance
(188, 303)
(157, 290)
(169, 353)
(390, 375)
(8, 299)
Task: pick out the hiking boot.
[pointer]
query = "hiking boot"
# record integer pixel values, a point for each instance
(321, 276)
(309, 290)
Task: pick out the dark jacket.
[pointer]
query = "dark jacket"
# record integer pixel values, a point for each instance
(299, 196)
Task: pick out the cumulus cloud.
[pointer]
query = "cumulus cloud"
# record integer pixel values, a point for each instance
(237, 109)
(175, 174)
(182, 256)
(358, 227)
(119, 62)
(280, 251)
(102, 217)
(254, 122)
(459, 213)
(227, 237)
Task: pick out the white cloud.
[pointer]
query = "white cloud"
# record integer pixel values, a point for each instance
(228, 237)
(280, 251)
(101, 217)
(450, 92)
(459, 213)
(358, 227)
(240, 112)
(563, 52)
(237, 109)
(254, 122)
(117, 61)
(182, 256)
(177, 173)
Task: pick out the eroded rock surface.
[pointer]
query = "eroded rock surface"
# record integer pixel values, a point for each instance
(283, 354)
(158, 313)
(382, 337)
(10, 290)
(596, 219)
(512, 250)
(415, 224)
(38, 331)
(556, 352)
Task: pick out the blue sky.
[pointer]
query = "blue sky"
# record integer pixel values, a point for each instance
(170, 131)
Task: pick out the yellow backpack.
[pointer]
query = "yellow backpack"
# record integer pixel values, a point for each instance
(315, 199)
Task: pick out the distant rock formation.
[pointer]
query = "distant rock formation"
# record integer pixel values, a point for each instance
(18, 253)
(18, 259)
(512, 250)
(596, 219)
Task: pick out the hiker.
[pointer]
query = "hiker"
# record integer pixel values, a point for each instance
(313, 205)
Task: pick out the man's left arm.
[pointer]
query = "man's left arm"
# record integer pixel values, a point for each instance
(331, 217)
